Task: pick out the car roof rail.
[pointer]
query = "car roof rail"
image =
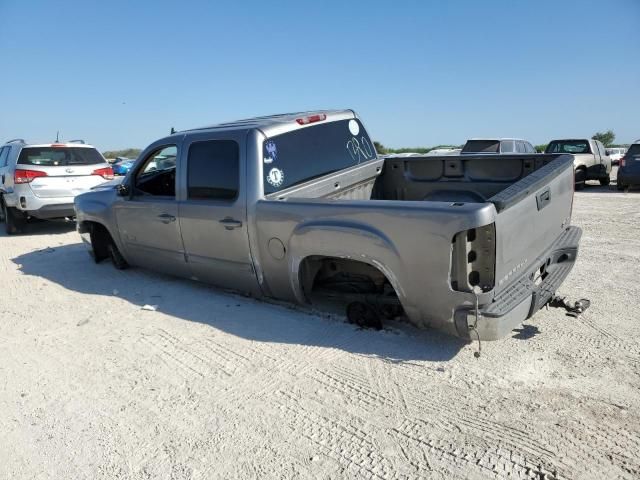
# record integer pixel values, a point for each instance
(16, 140)
(77, 141)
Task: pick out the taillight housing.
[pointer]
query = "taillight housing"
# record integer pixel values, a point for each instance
(106, 173)
(26, 176)
(622, 162)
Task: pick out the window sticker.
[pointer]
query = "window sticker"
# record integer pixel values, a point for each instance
(360, 150)
(268, 160)
(354, 128)
(272, 150)
(275, 177)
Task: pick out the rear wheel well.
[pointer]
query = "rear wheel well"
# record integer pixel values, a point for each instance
(344, 281)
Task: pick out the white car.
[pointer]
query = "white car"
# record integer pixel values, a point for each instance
(42, 180)
(616, 153)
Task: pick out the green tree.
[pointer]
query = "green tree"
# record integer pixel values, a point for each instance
(541, 148)
(607, 138)
(128, 153)
(380, 148)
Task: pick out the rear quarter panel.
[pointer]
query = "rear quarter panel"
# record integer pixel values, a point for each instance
(408, 241)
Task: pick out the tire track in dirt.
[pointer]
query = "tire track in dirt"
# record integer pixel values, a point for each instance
(442, 454)
(345, 442)
(351, 386)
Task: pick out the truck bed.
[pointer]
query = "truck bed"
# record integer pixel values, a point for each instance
(469, 229)
(469, 179)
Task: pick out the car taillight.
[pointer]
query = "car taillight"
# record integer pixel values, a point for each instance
(311, 119)
(622, 162)
(106, 173)
(26, 176)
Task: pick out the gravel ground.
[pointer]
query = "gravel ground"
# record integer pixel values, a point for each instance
(212, 385)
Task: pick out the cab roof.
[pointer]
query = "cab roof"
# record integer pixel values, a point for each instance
(273, 124)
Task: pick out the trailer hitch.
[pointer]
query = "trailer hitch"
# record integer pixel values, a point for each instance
(574, 309)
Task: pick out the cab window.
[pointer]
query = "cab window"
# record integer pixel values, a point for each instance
(157, 176)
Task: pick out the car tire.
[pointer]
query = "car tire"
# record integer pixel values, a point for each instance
(116, 257)
(581, 178)
(364, 315)
(604, 181)
(14, 221)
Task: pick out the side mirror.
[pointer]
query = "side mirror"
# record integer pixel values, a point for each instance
(123, 190)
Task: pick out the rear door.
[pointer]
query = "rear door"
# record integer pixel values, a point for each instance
(213, 212)
(64, 171)
(148, 219)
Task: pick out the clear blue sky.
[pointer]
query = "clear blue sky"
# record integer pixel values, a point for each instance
(122, 73)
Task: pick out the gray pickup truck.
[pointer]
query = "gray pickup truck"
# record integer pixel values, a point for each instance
(590, 159)
(299, 207)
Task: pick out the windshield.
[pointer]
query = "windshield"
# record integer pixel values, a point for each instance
(481, 146)
(59, 156)
(314, 151)
(568, 146)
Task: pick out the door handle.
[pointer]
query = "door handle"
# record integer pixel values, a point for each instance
(166, 218)
(230, 223)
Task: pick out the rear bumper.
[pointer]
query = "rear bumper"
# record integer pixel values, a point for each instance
(52, 211)
(627, 178)
(523, 298)
(44, 208)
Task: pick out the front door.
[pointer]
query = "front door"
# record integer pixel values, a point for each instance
(213, 213)
(148, 220)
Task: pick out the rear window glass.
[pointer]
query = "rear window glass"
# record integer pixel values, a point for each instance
(314, 151)
(213, 170)
(481, 146)
(59, 156)
(569, 146)
(633, 150)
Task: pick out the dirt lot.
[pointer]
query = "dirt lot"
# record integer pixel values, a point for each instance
(212, 385)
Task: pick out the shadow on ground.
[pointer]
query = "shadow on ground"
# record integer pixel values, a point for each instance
(71, 267)
(526, 332)
(43, 227)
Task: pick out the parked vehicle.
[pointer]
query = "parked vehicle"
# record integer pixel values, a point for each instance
(615, 154)
(590, 159)
(629, 169)
(42, 180)
(299, 207)
(122, 166)
(497, 145)
(444, 151)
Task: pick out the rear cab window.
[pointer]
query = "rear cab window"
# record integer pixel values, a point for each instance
(634, 150)
(314, 151)
(569, 146)
(59, 156)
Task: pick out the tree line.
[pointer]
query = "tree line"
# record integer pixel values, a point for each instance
(607, 138)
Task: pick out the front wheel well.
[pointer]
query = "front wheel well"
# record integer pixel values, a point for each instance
(100, 239)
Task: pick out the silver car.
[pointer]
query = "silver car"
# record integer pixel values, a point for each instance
(42, 180)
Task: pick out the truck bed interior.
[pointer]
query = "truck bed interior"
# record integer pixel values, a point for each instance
(468, 178)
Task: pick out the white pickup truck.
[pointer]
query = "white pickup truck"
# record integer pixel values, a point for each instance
(590, 159)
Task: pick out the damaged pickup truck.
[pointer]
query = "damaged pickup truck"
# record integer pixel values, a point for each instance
(299, 207)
